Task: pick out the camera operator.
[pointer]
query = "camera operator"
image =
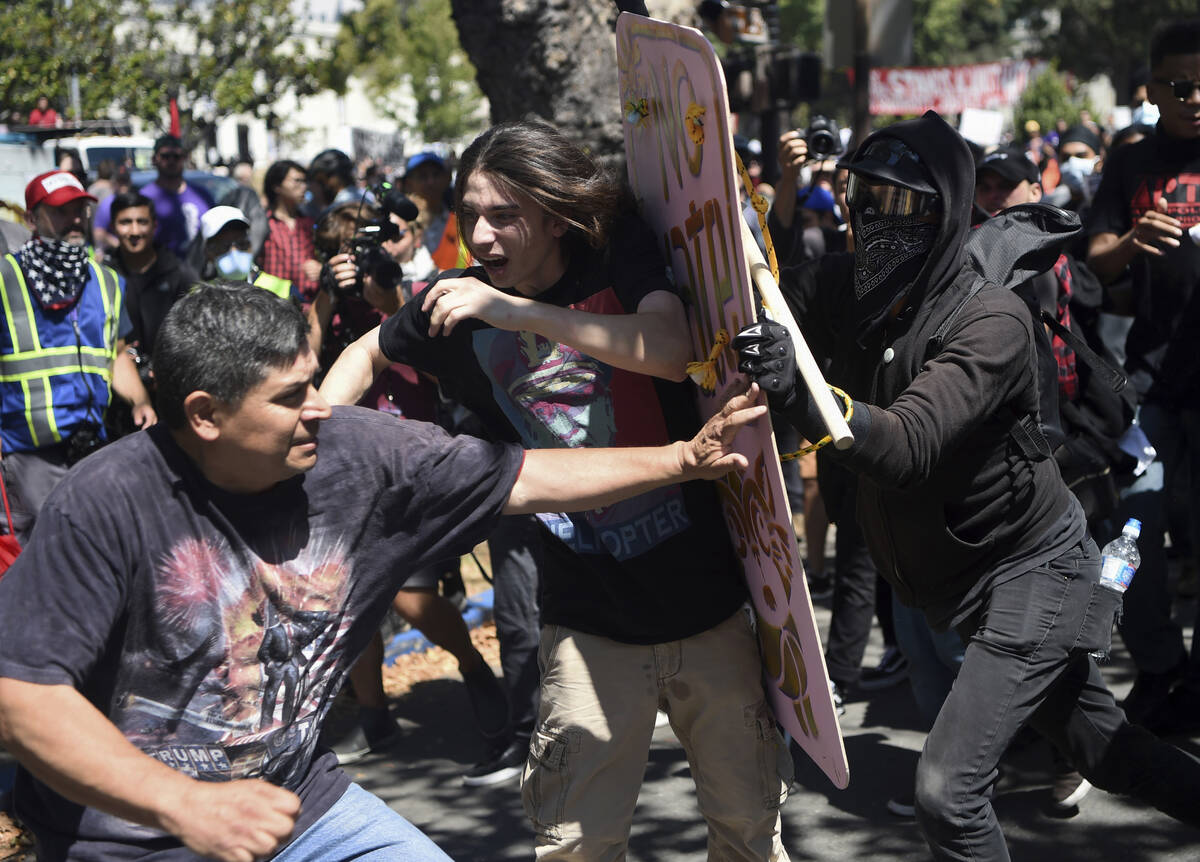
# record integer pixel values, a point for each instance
(361, 284)
(794, 242)
(371, 258)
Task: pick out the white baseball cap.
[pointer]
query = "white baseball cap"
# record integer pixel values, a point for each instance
(217, 218)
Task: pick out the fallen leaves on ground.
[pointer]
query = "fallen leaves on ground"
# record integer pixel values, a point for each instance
(436, 663)
(16, 845)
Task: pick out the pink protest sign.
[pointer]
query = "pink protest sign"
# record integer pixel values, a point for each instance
(680, 156)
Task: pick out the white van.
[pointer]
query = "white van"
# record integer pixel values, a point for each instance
(22, 158)
(91, 150)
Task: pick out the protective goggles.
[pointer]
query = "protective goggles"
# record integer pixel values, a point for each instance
(884, 199)
(1181, 90)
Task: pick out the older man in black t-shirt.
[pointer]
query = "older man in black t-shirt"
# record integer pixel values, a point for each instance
(166, 659)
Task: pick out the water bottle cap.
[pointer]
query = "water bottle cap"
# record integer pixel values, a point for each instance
(1134, 526)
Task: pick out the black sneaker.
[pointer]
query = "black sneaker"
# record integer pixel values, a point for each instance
(500, 765)
(820, 586)
(1068, 788)
(1179, 714)
(902, 805)
(371, 732)
(1149, 693)
(350, 745)
(839, 699)
(379, 727)
(891, 670)
(489, 703)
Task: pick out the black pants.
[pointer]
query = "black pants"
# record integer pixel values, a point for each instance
(1027, 662)
(515, 548)
(859, 595)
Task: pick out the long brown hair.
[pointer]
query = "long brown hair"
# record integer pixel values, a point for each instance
(561, 177)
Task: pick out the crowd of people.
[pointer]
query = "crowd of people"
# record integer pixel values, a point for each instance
(495, 350)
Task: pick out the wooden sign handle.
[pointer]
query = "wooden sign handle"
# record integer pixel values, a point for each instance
(777, 307)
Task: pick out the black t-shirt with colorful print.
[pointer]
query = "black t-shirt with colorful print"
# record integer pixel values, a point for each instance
(214, 629)
(655, 568)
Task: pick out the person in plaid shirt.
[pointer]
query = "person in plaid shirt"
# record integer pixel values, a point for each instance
(288, 250)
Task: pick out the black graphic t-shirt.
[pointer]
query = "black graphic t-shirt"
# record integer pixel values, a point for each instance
(214, 629)
(1162, 358)
(655, 568)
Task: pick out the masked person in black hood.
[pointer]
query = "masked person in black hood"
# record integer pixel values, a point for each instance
(964, 511)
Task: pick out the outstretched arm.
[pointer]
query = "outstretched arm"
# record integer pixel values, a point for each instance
(654, 340)
(355, 370)
(574, 480)
(236, 821)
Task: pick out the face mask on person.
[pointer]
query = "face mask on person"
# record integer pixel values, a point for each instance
(235, 264)
(1077, 168)
(889, 252)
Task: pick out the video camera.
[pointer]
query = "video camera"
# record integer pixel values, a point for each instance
(823, 138)
(367, 243)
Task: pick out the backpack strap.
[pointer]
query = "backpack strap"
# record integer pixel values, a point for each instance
(1115, 378)
(1027, 435)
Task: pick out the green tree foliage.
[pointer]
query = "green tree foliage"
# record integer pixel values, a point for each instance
(1109, 36)
(392, 42)
(953, 32)
(217, 58)
(1047, 99)
(42, 44)
(801, 23)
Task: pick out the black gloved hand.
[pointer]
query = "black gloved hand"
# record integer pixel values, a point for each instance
(767, 355)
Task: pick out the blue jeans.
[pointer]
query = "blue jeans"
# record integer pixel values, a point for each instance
(933, 659)
(1155, 642)
(1027, 662)
(361, 826)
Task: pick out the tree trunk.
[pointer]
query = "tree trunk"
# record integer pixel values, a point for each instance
(553, 60)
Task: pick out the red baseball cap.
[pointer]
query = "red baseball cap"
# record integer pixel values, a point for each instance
(54, 188)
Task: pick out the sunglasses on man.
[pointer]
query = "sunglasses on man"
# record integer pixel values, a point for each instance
(1181, 90)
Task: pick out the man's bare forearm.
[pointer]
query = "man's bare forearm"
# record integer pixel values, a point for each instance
(575, 480)
(102, 769)
(231, 821)
(647, 342)
(355, 370)
(1109, 255)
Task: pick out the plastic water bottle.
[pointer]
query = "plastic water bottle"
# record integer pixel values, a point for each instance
(1120, 558)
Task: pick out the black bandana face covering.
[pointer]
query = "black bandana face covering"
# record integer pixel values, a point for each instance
(55, 271)
(889, 251)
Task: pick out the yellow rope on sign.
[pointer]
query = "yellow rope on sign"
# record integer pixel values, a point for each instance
(704, 373)
(761, 206)
(813, 447)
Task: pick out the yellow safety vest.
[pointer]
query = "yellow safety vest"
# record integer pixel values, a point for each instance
(56, 366)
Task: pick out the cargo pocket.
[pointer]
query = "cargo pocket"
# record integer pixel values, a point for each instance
(774, 760)
(1095, 632)
(544, 790)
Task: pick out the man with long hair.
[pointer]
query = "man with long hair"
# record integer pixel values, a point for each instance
(569, 334)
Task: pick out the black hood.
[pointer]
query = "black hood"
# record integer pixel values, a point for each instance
(947, 158)
(1020, 242)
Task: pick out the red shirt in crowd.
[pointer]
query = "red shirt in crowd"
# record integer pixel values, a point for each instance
(48, 117)
(286, 249)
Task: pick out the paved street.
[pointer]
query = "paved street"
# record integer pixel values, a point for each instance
(882, 741)
(421, 780)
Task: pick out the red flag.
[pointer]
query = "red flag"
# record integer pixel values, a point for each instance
(174, 118)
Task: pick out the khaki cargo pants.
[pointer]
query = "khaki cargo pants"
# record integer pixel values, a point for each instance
(598, 704)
